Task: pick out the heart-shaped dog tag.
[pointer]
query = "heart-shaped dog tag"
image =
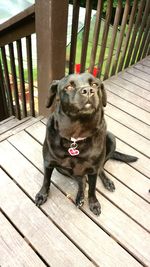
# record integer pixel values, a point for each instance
(73, 151)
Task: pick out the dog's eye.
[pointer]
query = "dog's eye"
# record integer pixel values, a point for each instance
(94, 85)
(69, 88)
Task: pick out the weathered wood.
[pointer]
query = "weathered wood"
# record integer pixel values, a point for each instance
(14, 79)
(86, 34)
(27, 146)
(8, 125)
(20, 125)
(128, 35)
(126, 84)
(14, 251)
(127, 120)
(72, 220)
(142, 68)
(21, 78)
(135, 80)
(134, 33)
(121, 36)
(96, 35)
(6, 120)
(7, 81)
(51, 45)
(37, 228)
(129, 108)
(17, 27)
(3, 98)
(104, 37)
(114, 33)
(133, 139)
(74, 32)
(140, 74)
(30, 75)
(129, 96)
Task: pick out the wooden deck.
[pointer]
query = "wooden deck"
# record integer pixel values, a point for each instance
(58, 233)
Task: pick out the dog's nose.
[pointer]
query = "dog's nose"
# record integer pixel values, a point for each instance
(88, 91)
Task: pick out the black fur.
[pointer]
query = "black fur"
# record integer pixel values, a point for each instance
(77, 103)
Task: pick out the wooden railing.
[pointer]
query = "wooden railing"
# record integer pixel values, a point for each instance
(106, 45)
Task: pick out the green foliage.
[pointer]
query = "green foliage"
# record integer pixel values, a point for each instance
(105, 2)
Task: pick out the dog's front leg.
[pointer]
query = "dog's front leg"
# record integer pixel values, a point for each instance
(41, 196)
(81, 189)
(93, 201)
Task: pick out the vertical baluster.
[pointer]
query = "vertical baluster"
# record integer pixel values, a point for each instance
(134, 34)
(96, 34)
(104, 37)
(86, 34)
(114, 33)
(3, 99)
(7, 81)
(147, 42)
(121, 36)
(30, 75)
(14, 79)
(140, 32)
(144, 43)
(21, 77)
(128, 35)
(74, 33)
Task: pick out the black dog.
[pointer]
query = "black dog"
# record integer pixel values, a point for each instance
(77, 143)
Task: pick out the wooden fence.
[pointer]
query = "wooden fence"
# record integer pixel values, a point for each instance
(104, 46)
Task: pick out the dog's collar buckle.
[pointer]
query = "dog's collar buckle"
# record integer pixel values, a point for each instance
(73, 151)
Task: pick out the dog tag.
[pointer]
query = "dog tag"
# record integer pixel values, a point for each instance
(73, 151)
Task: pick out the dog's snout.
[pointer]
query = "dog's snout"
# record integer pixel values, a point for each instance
(87, 91)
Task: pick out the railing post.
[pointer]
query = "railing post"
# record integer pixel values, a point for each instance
(51, 29)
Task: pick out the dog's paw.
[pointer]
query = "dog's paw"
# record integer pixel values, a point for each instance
(95, 206)
(40, 199)
(108, 184)
(79, 200)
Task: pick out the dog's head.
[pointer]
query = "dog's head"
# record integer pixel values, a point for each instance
(78, 94)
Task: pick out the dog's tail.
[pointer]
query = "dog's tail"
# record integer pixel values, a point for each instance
(123, 157)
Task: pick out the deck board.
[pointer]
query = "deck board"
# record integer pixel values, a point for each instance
(59, 234)
(14, 248)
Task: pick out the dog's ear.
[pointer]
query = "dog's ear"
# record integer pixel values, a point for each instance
(52, 93)
(104, 95)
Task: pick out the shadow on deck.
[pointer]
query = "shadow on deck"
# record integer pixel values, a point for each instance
(59, 234)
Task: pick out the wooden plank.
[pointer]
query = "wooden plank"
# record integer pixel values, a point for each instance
(134, 79)
(129, 108)
(14, 251)
(128, 176)
(145, 62)
(33, 151)
(129, 96)
(139, 74)
(19, 127)
(72, 220)
(142, 68)
(8, 125)
(127, 120)
(6, 120)
(37, 228)
(130, 87)
(38, 130)
(133, 139)
(141, 165)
